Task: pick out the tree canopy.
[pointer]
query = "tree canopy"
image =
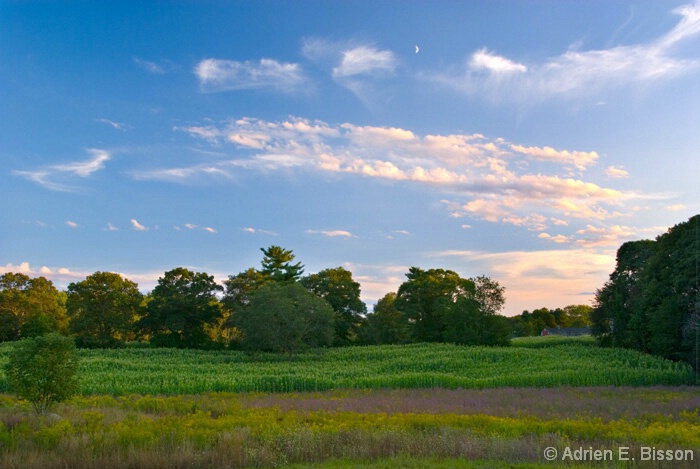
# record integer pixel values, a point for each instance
(338, 288)
(285, 318)
(181, 306)
(30, 307)
(103, 309)
(651, 301)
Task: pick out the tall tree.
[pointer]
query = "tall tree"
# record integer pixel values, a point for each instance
(277, 265)
(30, 307)
(338, 288)
(386, 324)
(423, 297)
(489, 294)
(181, 307)
(103, 309)
(287, 318)
(617, 318)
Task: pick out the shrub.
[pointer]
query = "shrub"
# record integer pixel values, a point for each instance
(43, 370)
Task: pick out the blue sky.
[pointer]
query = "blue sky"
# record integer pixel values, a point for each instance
(520, 140)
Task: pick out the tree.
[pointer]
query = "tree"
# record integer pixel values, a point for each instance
(277, 265)
(386, 324)
(617, 318)
(103, 309)
(424, 296)
(338, 288)
(467, 323)
(181, 307)
(578, 315)
(489, 294)
(285, 318)
(238, 287)
(651, 300)
(43, 370)
(30, 306)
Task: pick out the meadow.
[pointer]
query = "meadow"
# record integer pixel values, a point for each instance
(401, 406)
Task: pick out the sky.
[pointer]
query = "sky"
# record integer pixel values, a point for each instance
(522, 140)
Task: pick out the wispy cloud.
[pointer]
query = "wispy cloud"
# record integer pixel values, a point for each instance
(57, 177)
(72, 224)
(332, 233)
(116, 125)
(258, 230)
(138, 226)
(158, 67)
(617, 172)
(577, 73)
(487, 178)
(353, 66)
(226, 75)
(110, 227)
(364, 60)
(675, 207)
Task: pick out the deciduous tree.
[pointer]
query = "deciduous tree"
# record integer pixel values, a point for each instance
(30, 307)
(103, 309)
(338, 288)
(285, 318)
(181, 306)
(43, 370)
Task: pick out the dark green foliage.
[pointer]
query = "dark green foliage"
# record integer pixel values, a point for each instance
(181, 306)
(277, 265)
(467, 324)
(103, 309)
(43, 370)
(338, 288)
(30, 306)
(652, 300)
(532, 323)
(285, 318)
(422, 298)
(386, 324)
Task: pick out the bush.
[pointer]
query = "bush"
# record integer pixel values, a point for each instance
(43, 370)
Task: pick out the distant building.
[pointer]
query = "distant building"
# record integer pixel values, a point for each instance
(566, 331)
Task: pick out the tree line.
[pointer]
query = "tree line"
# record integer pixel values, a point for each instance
(271, 308)
(651, 301)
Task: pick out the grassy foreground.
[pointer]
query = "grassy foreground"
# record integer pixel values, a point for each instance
(382, 428)
(537, 362)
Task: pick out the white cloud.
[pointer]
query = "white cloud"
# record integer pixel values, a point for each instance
(258, 230)
(225, 75)
(484, 60)
(56, 177)
(138, 226)
(156, 68)
(110, 227)
(364, 60)
(578, 159)
(116, 125)
(675, 207)
(209, 229)
(190, 226)
(332, 233)
(72, 224)
(487, 177)
(617, 172)
(577, 73)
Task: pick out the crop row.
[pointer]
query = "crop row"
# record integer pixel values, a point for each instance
(171, 371)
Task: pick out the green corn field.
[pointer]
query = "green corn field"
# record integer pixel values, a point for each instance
(172, 371)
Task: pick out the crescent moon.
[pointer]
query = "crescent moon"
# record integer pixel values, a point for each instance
(417, 49)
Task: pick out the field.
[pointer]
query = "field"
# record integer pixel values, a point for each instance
(408, 406)
(531, 363)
